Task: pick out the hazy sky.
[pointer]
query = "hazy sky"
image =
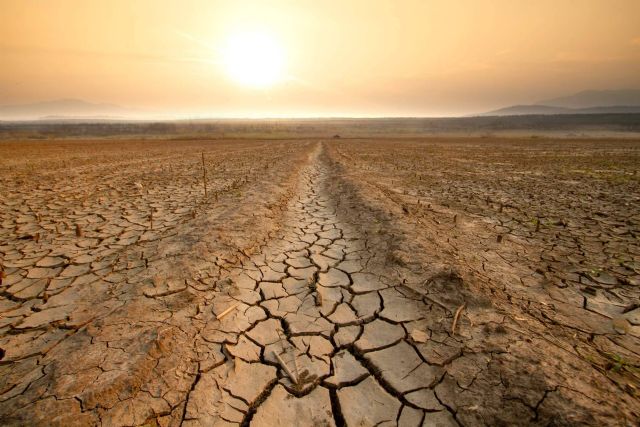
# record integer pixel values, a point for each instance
(336, 57)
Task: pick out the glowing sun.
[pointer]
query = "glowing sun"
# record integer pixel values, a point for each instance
(254, 59)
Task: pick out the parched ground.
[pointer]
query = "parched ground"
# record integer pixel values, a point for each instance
(341, 282)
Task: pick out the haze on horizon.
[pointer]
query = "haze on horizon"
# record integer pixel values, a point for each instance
(305, 58)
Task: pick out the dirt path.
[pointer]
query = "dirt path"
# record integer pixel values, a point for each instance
(311, 309)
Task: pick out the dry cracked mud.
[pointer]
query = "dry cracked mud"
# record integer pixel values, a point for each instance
(318, 300)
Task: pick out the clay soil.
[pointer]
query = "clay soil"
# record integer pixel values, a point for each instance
(427, 282)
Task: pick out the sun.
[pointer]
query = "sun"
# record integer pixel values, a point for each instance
(253, 59)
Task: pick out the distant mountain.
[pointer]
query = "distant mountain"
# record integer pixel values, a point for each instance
(519, 110)
(62, 108)
(586, 102)
(596, 98)
(523, 110)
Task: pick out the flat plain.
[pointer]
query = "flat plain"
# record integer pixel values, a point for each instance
(336, 281)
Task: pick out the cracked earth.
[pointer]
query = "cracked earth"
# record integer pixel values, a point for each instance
(318, 300)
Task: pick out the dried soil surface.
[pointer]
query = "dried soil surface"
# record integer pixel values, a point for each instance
(360, 283)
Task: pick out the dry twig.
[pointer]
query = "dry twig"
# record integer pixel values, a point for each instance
(227, 311)
(286, 368)
(456, 317)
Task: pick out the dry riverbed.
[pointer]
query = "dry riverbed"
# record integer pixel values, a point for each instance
(343, 282)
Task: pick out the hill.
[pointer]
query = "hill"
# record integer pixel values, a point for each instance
(524, 110)
(67, 108)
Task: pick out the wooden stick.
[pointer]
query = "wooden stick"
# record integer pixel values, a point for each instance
(456, 317)
(286, 368)
(227, 311)
(204, 176)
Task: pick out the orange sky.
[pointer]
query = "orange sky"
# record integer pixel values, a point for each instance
(339, 57)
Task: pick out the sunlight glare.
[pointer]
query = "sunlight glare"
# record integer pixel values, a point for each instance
(253, 59)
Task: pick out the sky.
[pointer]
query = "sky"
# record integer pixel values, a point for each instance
(307, 58)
